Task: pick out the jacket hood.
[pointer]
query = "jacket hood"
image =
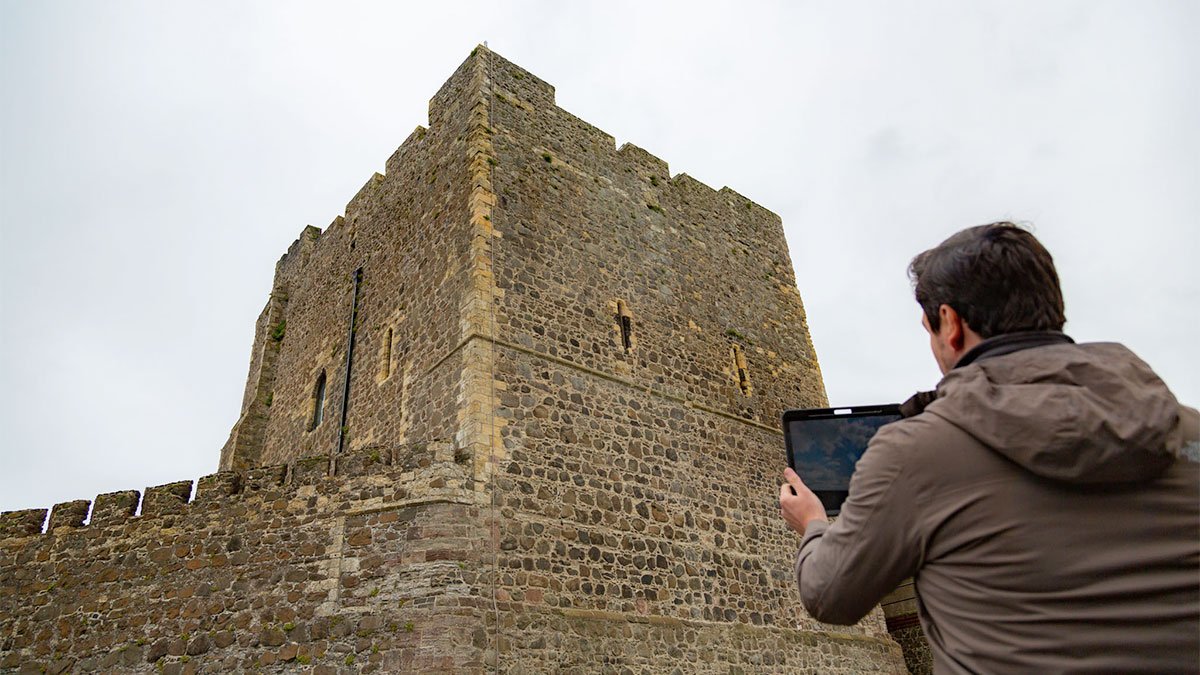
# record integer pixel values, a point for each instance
(1089, 413)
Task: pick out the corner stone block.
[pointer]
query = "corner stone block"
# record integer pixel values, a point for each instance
(265, 477)
(310, 470)
(363, 462)
(68, 514)
(166, 499)
(21, 523)
(114, 507)
(215, 487)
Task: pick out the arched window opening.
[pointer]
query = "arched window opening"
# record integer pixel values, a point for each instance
(318, 402)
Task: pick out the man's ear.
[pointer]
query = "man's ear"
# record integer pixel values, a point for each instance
(951, 327)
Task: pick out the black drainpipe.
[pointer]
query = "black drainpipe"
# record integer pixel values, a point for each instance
(349, 360)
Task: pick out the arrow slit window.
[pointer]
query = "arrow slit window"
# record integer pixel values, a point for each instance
(625, 323)
(743, 370)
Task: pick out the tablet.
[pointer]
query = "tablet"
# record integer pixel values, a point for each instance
(823, 445)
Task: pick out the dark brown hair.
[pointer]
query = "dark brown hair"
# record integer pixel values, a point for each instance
(998, 277)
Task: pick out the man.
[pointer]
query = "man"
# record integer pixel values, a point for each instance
(1043, 501)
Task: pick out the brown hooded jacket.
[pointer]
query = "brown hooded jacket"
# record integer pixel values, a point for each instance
(1047, 504)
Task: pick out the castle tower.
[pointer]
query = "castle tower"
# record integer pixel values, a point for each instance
(517, 410)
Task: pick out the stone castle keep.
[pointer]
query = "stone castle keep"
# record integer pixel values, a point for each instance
(516, 411)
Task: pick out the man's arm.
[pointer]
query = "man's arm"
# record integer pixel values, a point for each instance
(846, 568)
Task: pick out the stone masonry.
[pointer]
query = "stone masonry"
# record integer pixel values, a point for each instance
(515, 411)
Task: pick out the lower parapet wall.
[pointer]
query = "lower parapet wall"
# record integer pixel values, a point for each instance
(380, 563)
(278, 569)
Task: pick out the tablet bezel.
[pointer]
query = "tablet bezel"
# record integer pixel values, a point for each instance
(841, 412)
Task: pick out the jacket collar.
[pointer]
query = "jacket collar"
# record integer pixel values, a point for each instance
(1008, 343)
(998, 345)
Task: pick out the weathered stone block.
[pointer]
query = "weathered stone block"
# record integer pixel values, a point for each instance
(264, 478)
(21, 523)
(166, 499)
(68, 514)
(215, 487)
(113, 508)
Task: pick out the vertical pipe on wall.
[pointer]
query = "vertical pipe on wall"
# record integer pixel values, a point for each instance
(358, 274)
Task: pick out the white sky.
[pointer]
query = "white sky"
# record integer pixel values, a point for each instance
(157, 158)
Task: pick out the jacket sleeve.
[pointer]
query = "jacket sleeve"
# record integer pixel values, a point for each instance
(845, 568)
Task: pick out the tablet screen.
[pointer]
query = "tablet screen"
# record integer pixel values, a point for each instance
(824, 444)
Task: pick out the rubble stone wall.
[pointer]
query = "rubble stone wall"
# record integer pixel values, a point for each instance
(560, 449)
(407, 230)
(648, 336)
(371, 569)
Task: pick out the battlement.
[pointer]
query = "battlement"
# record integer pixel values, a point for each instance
(423, 469)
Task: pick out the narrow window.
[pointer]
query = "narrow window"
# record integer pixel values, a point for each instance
(385, 369)
(625, 321)
(318, 402)
(743, 371)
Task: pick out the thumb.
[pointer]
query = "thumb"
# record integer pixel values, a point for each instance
(793, 478)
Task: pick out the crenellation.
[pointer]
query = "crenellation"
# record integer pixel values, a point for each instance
(68, 514)
(688, 186)
(643, 162)
(523, 84)
(588, 137)
(310, 470)
(756, 217)
(264, 478)
(114, 508)
(446, 108)
(214, 489)
(25, 523)
(299, 249)
(167, 499)
(399, 159)
(225, 487)
(368, 193)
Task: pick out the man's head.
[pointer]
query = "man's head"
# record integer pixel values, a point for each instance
(985, 281)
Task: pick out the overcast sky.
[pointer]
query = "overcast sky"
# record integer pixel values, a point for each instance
(157, 158)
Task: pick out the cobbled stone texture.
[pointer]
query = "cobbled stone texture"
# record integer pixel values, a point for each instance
(558, 447)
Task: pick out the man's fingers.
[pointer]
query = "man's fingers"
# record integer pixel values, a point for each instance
(792, 478)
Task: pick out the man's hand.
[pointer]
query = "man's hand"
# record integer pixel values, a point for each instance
(801, 508)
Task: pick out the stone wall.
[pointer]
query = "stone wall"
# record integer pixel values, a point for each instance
(648, 336)
(901, 612)
(560, 449)
(408, 231)
(372, 569)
